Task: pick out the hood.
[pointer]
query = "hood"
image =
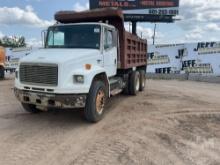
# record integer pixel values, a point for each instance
(59, 56)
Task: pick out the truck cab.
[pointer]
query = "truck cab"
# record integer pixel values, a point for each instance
(79, 67)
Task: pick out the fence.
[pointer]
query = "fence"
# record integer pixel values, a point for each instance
(182, 77)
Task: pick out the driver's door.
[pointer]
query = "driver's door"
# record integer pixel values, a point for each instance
(110, 52)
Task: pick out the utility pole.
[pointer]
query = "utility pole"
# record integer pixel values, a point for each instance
(155, 26)
(134, 28)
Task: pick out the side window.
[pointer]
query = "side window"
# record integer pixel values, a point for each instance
(108, 40)
(50, 38)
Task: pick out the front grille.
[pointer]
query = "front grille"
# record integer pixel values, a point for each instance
(39, 74)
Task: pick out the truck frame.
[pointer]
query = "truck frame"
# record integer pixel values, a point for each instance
(88, 57)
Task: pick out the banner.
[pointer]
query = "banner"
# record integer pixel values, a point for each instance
(153, 7)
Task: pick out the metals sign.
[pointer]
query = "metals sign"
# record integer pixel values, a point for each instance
(142, 10)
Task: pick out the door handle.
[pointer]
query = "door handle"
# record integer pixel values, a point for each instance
(99, 60)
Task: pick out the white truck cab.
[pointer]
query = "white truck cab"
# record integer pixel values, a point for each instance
(77, 68)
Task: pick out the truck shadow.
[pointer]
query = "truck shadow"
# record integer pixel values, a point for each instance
(57, 117)
(113, 102)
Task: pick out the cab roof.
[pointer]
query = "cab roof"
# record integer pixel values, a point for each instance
(84, 23)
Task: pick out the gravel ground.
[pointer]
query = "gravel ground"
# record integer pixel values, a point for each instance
(172, 122)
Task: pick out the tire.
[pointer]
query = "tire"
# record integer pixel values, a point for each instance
(2, 72)
(134, 83)
(142, 80)
(95, 102)
(30, 108)
(126, 89)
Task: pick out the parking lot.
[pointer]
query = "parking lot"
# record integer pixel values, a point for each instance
(172, 122)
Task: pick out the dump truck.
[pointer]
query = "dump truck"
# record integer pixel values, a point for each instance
(2, 62)
(87, 58)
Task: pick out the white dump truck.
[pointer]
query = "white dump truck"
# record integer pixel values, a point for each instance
(88, 57)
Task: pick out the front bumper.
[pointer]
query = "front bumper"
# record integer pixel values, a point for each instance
(51, 100)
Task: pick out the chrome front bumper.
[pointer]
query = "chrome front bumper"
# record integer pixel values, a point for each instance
(51, 100)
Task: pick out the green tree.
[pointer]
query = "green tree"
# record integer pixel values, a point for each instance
(13, 42)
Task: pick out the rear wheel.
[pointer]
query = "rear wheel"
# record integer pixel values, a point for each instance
(2, 72)
(134, 84)
(142, 80)
(30, 108)
(95, 102)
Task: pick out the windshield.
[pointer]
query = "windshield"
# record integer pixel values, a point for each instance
(74, 36)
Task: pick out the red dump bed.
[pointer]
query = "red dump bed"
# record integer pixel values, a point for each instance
(133, 50)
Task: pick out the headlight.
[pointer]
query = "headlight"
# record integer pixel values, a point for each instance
(78, 79)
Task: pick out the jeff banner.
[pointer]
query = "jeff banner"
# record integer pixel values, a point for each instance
(152, 7)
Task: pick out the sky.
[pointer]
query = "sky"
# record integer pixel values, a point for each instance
(199, 20)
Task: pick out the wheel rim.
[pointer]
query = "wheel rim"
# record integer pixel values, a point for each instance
(137, 83)
(100, 101)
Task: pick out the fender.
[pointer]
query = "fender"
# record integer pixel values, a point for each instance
(89, 76)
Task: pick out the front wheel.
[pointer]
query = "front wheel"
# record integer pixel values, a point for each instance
(95, 102)
(30, 108)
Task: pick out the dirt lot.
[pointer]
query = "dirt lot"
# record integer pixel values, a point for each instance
(172, 122)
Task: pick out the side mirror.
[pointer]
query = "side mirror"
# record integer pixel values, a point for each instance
(43, 38)
(115, 38)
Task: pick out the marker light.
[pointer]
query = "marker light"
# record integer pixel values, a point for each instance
(88, 66)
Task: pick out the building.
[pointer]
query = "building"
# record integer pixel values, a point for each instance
(199, 58)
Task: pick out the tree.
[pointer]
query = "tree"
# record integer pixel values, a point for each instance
(13, 42)
(21, 42)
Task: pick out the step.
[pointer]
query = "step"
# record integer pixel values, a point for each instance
(115, 91)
